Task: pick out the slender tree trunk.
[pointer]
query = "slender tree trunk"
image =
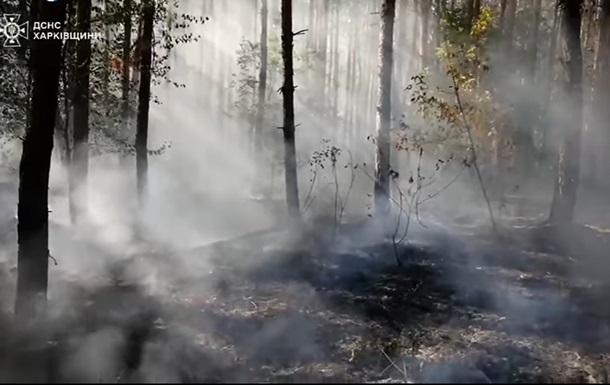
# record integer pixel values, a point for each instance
(336, 62)
(125, 78)
(148, 13)
(262, 85)
(106, 58)
(534, 40)
(550, 72)
(425, 29)
(384, 110)
(503, 5)
(415, 62)
(602, 90)
(568, 172)
(32, 211)
(312, 24)
(474, 8)
(323, 48)
(80, 158)
(290, 162)
(509, 26)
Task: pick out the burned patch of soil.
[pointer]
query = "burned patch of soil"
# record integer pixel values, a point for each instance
(480, 312)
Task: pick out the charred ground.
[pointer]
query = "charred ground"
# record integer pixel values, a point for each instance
(461, 307)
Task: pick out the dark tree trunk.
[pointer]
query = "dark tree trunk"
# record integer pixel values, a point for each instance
(290, 162)
(568, 171)
(148, 13)
(384, 109)
(472, 10)
(32, 212)
(80, 158)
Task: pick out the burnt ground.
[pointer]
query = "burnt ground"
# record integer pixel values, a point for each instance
(460, 308)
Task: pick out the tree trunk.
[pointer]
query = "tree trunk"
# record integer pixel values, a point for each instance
(312, 24)
(414, 64)
(290, 162)
(602, 90)
(534, 40)
(148, 13)
(106, 59)
(384, 109)
(125, 78)
(509, 27)
(262, 85)
(32, 211)
(425, 31)
(568, 171)
(323, 51)
(470, 9)
(548, 92)
(80, 157)
(336, 61)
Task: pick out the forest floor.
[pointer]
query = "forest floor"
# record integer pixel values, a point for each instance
(462, 307)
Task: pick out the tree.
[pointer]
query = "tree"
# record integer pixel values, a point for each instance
(125, 79)
(79, 163)
(262, 83)
(290, 161)
(568, 170)
(32, 211)
(384, 109)
(148, 13)
(602, 87)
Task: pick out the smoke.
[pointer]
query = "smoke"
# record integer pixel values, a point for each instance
(164, 290)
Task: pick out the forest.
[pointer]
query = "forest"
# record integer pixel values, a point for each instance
(369, 191)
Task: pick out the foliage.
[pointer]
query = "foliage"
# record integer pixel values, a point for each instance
(465, 56)
(106, 125)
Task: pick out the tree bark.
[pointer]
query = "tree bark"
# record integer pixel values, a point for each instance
(80, 157)
(148, 13)
(602, 90)
(384, 109)
(32, 211)
(290, 162)
(262, 84)
(424, 6)
(125, 78)
(568, 171)
(534, 41)
(509, 26)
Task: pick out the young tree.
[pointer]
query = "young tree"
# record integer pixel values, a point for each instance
(80, 158)
(148, 13)
(568, 170)
(384, 109)
(290, 161)
(32, 211)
